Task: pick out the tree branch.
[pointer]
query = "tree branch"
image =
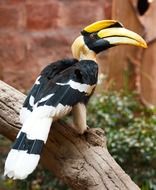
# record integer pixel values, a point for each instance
(82, 162)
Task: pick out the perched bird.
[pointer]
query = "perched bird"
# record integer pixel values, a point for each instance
(62, 87)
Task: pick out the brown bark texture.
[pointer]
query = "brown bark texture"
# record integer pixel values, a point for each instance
(82, 162)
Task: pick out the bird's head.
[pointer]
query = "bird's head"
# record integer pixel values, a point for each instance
(102, 35)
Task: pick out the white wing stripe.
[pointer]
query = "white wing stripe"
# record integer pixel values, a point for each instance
(78, 86)
(31, 100)
(46, 98)
(37, 80)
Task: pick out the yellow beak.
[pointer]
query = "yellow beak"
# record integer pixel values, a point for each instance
(99, 25)
(114, 32)
(120, 35)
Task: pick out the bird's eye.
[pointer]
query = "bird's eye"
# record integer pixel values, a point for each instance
(92, 36)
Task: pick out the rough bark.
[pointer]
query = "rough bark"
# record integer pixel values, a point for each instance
(82, 162)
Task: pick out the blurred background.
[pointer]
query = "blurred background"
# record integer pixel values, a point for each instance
(36, 33)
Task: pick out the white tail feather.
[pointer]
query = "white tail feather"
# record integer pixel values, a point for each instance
(24, 114)
(37, 128)
(19, 164)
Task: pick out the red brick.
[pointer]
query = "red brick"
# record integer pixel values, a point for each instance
(81, 13)
(21, 80)
(44, 45)
(12, 48)
(12, 56)
(40, 1)
(10, 17)
(42, 16)
(11, 2)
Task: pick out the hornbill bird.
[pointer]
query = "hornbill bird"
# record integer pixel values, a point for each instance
(62, 87)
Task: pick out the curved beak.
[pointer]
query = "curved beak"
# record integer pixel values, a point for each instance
(116, 36)
(105, 34)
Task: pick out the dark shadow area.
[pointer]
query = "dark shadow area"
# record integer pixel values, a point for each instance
(142, 6)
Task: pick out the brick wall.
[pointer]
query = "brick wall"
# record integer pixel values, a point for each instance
(35, 33)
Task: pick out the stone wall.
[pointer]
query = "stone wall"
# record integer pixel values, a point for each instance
(35, 33)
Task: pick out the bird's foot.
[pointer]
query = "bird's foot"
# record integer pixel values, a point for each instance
(82, 130)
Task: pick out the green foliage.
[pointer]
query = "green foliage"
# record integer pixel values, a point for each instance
(41, 179)
(131, 133)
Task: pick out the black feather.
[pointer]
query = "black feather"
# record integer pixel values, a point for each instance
(82, 72)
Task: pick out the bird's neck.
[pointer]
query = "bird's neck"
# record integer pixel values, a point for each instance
(87, 54)
(80, 50)
(88, 57)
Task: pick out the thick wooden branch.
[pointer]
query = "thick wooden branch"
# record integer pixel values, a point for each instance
(82, 162)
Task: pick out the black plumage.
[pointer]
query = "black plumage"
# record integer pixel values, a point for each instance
(83, 72)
